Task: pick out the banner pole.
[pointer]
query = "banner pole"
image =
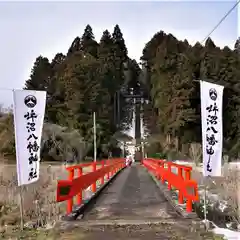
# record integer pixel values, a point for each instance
(211, 96)
(21, 207)
(20, 194)
(205, 205)
(94, 137)
(27, 106)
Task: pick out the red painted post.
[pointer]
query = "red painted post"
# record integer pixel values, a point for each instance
(189, 205)
(102, 179)
(180, 194)
(170, 170)
(108, 174)
(79, 195)
(159, 165)
(188, 174)
(70, 201)
(162, 168)
(111, 171)
(183, 174)
(94, 185)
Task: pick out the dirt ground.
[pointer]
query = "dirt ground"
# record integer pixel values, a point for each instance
(116, 232)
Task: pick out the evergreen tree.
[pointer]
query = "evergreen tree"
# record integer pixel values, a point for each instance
(75, 46)
(120, 56)
(88, 43)
(93, 77)
(107, 71)
(172, 66)
(237, 46)
(55, 106)
(40, 75)
(121, 50)
(58, 60)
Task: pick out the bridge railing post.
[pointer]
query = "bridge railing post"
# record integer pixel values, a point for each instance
(94, 185)
(189, 205)
(114, 168)
(181, 179)
(112, 171)
(169, 170)
(162, 166)
(108, 173)
(180, 194)
(70, 201)
(68, 189)
(187, 174)
(102, 166)
(79, 195)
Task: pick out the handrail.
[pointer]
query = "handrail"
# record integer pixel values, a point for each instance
(68, 189)
(162, 169)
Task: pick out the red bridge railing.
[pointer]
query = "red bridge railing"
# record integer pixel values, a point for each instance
(74, 186)
(181, 179)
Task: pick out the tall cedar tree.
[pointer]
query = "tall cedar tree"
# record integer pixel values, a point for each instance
(88, 43)
(40, 75)
(91, 74)
(172, 66)
(107, 74)
(75, 46)
(55, 106)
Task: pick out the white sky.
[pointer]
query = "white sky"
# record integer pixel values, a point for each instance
(31, 29)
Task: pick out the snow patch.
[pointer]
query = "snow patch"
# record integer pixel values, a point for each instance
(183, 162)
(227, 233)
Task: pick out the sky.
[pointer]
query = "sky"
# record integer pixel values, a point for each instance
(29, 29)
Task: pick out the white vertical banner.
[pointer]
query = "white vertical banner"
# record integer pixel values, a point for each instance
(212, 134)
(29, 110)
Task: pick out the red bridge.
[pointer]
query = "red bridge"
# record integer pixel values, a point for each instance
(152, 192)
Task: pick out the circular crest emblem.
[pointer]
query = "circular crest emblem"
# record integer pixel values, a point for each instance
(30, 101)
(213, 94)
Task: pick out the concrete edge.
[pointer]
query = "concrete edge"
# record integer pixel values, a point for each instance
(167, 194)
(81, 209)
(124, 222)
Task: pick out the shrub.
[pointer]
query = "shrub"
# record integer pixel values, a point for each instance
(58, 143)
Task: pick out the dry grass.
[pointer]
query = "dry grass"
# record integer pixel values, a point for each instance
(229, 190)
(39, 199)
(226, 188)
(223, 191)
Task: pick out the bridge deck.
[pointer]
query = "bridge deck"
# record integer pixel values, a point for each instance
(133, 208)
(133, 195)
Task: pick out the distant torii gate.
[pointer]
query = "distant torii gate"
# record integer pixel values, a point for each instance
(138, 94)
(138, 103)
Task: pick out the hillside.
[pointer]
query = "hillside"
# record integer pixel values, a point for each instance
(89, 78)
(93, 75)
(171, 69)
